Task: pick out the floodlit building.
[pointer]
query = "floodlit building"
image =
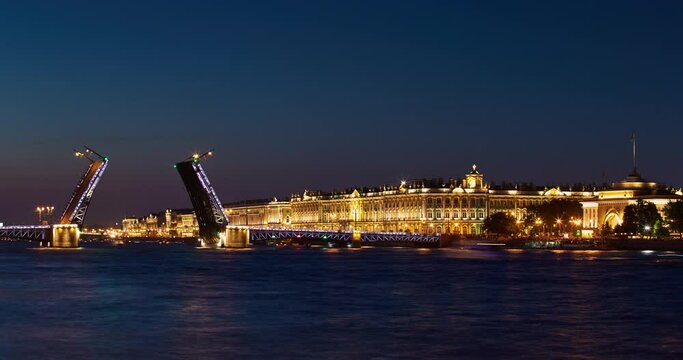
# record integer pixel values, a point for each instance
(429, 206)
(452, 206)
(606, 208)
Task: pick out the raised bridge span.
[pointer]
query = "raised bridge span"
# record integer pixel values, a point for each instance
(215, 231)
(66, 232)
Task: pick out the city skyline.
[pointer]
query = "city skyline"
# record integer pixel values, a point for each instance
(30, 215)
(300, 96)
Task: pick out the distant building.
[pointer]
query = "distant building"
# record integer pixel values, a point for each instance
(131, 227)
(606, 207)
(455, 206)
(176, 223)
(452, 206)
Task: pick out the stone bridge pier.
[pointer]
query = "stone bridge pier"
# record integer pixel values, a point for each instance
(65, 236)
(236, 237)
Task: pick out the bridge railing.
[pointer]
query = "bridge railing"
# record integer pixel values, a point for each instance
(262, 233)
(25, 232)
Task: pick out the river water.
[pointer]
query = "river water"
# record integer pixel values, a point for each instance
(178, 302)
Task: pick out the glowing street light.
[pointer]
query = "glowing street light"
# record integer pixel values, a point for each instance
(48, 210)
(40, 210)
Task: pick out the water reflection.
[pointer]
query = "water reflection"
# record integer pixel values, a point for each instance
(179, 302)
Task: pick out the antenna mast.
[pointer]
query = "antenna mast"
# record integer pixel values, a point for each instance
(633, 141)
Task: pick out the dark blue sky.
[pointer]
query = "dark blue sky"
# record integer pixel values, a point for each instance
(315, 94)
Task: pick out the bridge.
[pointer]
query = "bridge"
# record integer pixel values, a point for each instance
(214, 230)
(349, 237)
(66, 232)
(207, 207)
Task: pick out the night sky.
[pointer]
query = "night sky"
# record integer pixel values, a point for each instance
(298, 95)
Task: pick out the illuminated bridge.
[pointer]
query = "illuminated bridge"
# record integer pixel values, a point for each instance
(66, 232)
(257, 234)
(207, 207)
(214, 230)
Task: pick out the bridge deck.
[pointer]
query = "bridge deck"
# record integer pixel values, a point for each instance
(26, 232)
(258, 233)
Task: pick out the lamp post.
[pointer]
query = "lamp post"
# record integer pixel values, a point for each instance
(40, 210)
(539, 223)
(50, 210)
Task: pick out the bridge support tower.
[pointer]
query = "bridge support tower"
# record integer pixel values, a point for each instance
(356, 239)
(237, 237)
(65, 235)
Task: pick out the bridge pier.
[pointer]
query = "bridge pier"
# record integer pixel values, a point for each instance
(237, 237)
(65, 236)
(356, 239)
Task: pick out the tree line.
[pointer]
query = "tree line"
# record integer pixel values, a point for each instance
(560, 216)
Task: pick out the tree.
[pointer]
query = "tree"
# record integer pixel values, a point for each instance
(640, 219)
(660, 229)
(500, 223)
(673, 212)
(557, 210)
(606, 230)
(530, 224)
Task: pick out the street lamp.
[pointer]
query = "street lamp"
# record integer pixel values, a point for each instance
(50, 210)
(40, 210)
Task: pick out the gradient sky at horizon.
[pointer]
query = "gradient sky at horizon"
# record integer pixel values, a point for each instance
(298, 95)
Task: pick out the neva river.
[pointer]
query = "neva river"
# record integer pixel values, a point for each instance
(174, 301)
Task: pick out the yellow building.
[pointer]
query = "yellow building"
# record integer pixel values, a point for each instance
(606, 208)
(452, 206)
(419, 206)
(265, 213)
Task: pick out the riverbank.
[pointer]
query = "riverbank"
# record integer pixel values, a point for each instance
(597, 244)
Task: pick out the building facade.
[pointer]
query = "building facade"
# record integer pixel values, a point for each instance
(452, 206)
(429, 206)
(606, 208)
